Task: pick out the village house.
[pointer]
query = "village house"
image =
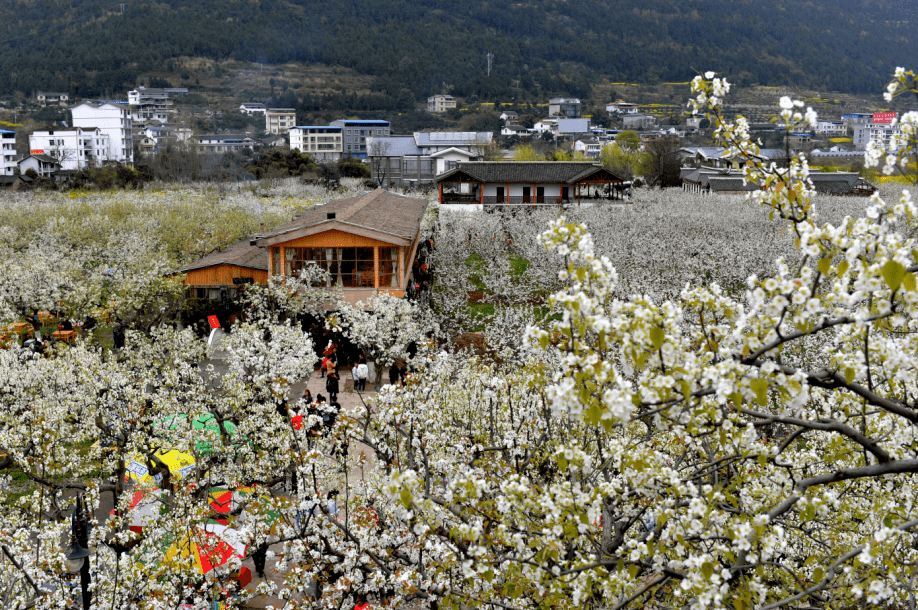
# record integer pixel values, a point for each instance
(564, 107)
(725, 181)
(366, 243)
(416, 160)
(252, 109)
(44, 165)
(441, 103)
(47, 97)
(621, 107)
(485, 184)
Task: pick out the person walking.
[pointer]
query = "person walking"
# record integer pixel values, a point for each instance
(331, 384)
(361, 372)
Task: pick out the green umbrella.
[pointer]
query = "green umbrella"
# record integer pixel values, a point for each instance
(204, 422)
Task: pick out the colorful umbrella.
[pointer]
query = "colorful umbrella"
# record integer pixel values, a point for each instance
(179, 464)
(205, 547)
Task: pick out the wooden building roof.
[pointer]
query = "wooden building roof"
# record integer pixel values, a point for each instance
(379, 215)
(240, 254)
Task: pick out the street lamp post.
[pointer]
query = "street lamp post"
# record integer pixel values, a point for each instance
(78, 553)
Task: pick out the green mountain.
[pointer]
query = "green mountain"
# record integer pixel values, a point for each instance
(414, 48)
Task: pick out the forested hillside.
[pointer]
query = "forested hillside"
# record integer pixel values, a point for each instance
(419, 47)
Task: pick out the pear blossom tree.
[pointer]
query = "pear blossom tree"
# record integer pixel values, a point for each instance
(705, 450)
(745, 445)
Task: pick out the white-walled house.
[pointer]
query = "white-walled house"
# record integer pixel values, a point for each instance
(253, 109)
(44, 165)
(74, 148)
(7, 152)
(114, 120)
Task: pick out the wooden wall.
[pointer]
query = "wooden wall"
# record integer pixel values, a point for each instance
(223, 275)
(334, 239)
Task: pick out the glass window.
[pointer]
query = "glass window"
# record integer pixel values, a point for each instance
(348, 267)
(411, 166)
(388, 268)
(395, 164)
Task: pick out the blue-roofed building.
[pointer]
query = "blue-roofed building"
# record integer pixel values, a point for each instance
(356, 132)
(321, 142)
(7, 152)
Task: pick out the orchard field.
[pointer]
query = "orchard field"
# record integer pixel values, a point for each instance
(683, 402)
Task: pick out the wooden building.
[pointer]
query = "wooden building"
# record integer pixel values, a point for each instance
(238, 263)
(366, 243)
(484, 184)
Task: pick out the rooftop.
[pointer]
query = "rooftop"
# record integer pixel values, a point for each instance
(379, 212)
(531, 172)
(239, 254)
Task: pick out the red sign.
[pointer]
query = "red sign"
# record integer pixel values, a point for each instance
(883, 117)
(214, 322)
(37, 151)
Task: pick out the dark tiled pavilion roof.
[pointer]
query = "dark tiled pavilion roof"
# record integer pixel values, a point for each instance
(527, 172)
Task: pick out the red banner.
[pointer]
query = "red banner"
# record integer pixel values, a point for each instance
(214, 322)
(883, 117)
(37, 151)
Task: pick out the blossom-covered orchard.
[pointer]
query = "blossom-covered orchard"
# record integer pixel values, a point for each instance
(722, 416)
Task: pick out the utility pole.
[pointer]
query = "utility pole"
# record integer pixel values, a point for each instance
(490, 61)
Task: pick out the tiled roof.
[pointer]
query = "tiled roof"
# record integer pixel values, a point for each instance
(730, 183)
(240, 254)
(526, 172)
(42, 158)
(393, 146)
(378, 211)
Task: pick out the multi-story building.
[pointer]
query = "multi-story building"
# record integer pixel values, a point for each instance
(831, 128)
(114, 120)
(564, 106)
(881, 132)
(7, 152)
(279, 120)
(441, 103)
(74, 148)
(321, 142)
(47, 97)
(356, 132)
(416, 160)
(151, 104)
(223, 142)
